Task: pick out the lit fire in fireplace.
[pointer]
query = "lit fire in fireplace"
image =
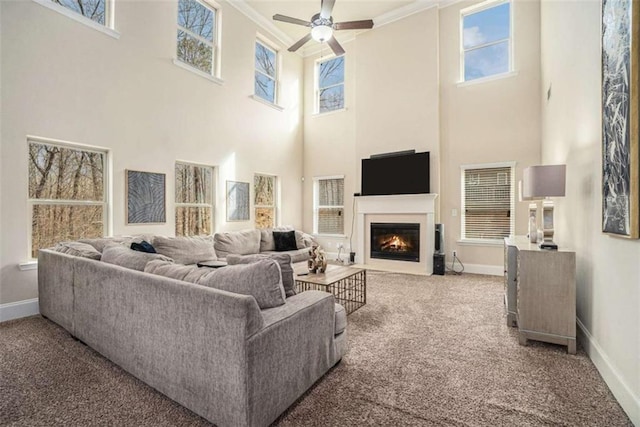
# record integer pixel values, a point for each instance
(394, 243)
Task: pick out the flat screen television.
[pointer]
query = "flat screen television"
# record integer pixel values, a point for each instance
(395, 174)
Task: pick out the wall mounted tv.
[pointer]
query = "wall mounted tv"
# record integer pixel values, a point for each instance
(396, 173)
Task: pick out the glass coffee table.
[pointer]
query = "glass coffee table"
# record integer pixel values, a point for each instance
(347, 284)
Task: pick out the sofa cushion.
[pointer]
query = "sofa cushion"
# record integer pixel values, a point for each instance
(187, 273)
(261, 279)
(186, 250)
(84, 250)
(340, 319)
(266, 237)
(121, 255)
(298, 255)
(243, 242)
(304, 240)
(285, 240)
(100, 243)
(284, 261)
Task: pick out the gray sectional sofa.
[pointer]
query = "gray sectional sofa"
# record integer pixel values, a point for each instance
(213, 350)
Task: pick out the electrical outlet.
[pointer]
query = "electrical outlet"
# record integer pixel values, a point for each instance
(454, 253)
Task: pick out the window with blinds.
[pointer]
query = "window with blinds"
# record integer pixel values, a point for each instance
(488, 202)
(328, 205)
(194, 199)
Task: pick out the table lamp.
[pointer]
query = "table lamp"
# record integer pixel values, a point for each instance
(542, 182)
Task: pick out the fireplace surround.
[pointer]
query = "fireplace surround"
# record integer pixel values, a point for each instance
(401, 208)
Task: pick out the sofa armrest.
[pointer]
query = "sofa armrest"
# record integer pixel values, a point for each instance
(294, 349)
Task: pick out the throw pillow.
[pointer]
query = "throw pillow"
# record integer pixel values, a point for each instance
(128, 258)
(285, 240)
(143, 246)
(261, 279)
(187, 273)
(80, 249)
(283, 260)
(266, 237)
(186, 250)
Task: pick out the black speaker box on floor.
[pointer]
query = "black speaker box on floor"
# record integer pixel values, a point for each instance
(439, 239)
(438, 264)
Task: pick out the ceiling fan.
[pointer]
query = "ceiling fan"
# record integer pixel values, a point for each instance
(322, 27)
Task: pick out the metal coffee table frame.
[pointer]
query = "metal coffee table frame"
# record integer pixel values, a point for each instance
(347, 284)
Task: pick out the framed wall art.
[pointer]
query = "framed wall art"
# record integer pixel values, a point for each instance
(237, 201)
(146, 202)
(620, 117)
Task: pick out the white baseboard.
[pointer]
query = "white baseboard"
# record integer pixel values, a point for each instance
(18, 309)
(491, 270)
(620, 389)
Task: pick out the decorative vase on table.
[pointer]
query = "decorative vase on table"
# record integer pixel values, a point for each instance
(317, 262)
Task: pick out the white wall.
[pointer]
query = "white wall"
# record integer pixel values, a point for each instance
(391, 99)
(487, 122)
(63, 80)
(608, 268)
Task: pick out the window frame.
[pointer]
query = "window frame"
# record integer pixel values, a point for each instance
(481, 7)
(211, 205)
(277, 68)
(106, 190)
(317, 206)
(317, 87)
(215, 45)
(512, 219)
(276, 199)
(107, 28)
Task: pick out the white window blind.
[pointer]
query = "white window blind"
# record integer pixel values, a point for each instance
(329, 206)
(487, 203)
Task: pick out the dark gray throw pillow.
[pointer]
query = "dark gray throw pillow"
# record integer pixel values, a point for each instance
(283, 260)
(285, 240)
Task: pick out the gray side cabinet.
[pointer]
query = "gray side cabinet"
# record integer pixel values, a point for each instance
(510, 283)
(545, 292)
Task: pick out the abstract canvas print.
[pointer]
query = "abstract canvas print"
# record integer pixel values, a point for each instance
(620, 82)
(145, 197)
(237, 201)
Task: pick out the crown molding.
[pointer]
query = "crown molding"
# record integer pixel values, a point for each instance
(403, 12)
(263, 22)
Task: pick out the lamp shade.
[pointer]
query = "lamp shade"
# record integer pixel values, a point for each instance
(543, 181)
(321, 33)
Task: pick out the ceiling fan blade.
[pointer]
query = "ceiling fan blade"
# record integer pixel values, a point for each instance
(354, 25)
(335, 46)
(290, 20)
(326, 8)
(297, 45)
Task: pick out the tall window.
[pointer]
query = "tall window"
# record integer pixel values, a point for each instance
(266, 72)
(96, 10)
(197, 26)
(328, 209)
(488, 202)
(330, 90)
(264, 200)
(486, 40)
(194, 199)
(66, 193)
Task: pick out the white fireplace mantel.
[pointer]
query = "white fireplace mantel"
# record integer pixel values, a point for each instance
(419, 205)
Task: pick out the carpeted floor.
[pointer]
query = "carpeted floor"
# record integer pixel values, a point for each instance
(424, 351)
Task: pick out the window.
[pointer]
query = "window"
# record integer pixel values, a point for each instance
(486, 41)
(488, 202)
(266, 72)
(330, 85)
(194, 199)
(328, 201)
(96, 10)
(197, 41)
(67, 193)
(264, 200)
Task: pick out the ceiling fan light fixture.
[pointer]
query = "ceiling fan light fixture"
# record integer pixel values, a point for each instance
(321, 33)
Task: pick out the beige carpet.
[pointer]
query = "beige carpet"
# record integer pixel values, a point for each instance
(428, 351)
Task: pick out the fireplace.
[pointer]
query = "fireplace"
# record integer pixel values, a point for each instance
(395, 241)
